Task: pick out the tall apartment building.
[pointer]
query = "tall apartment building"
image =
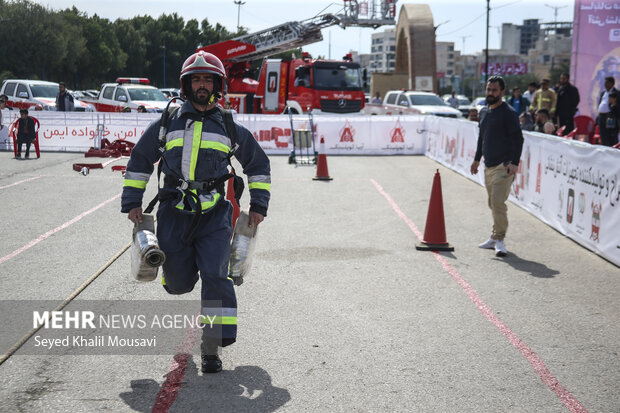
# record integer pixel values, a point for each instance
(552, 49)
(530, 31)
(518, 39)
(511, 38)
(446, 63)
(383, 51)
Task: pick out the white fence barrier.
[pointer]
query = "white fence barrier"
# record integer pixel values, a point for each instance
(572, 186)
(358, 135)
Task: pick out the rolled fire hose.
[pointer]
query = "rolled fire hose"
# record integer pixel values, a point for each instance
(146, 256)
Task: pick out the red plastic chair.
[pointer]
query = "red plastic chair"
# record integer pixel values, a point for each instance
(572, 134)
(585, 127)
(596, 139)
(13, 134)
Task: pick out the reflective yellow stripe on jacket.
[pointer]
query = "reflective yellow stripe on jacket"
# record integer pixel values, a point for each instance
(206, 201)
(136, 179)
(259, 182)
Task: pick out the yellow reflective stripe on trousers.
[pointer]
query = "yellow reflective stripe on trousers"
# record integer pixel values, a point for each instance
(259, 185)
(218, 146)
(134, 183)
(219, 320)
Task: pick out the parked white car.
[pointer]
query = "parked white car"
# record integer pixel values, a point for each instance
(464, 103)
(408, 102)
(171, 92)
(479, 103)
(27, 94)
(127, 94)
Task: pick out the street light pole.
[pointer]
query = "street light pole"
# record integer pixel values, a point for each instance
(555, 31)
(239, 3)
(486, 51)
(164, 47)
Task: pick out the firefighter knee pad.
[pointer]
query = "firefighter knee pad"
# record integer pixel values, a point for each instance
(177, 291)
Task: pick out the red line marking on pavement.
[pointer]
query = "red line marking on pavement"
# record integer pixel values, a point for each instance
(113, 160)
(539, 366)
(21, 182)
(170, 389)
(55, 230)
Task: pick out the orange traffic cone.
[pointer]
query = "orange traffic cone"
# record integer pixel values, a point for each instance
(322, 174)
(230, 195)
(435, 230)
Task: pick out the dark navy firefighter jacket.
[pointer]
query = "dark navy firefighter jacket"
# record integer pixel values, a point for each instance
(197, 148)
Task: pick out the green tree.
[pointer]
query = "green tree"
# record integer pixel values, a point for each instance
(105, 55)
(85, 51)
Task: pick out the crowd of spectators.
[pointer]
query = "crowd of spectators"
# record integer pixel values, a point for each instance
(552, 110)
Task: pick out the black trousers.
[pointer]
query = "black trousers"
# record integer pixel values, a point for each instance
(20, 142)
(609, 137)
(568, 122)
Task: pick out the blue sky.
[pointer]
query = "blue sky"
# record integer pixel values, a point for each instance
(460, 21)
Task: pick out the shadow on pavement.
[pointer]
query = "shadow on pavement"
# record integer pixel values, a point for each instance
(244, 389)
(534, 268)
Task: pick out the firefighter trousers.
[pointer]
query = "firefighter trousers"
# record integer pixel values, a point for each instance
(206, 257)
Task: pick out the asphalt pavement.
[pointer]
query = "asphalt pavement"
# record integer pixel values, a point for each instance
(340, 312)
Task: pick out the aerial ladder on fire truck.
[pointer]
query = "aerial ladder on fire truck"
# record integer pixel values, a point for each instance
(254, 96)
(291, 35)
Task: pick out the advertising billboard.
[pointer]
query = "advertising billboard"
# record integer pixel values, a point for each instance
(596, 50)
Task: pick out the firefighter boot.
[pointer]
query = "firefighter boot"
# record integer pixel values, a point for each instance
(211, 362)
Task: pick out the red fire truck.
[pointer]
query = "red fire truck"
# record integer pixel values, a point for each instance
(301, 84)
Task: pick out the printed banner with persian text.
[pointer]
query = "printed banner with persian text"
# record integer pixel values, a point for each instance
(353, 135)
(572, 186)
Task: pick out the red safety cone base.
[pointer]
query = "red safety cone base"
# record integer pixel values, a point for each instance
(322, 178)
(434, 247)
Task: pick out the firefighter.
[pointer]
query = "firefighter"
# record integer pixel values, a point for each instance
(193, 218)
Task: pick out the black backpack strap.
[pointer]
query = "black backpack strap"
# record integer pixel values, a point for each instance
(164, 124)
(231, 132)
(231, 129)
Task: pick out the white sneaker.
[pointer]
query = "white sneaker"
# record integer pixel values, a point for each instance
(488, 244)
(500, 249)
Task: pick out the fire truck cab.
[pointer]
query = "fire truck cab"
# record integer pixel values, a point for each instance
(310, 85)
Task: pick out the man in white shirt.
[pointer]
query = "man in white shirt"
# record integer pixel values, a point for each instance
(603, 112)
(529, 93)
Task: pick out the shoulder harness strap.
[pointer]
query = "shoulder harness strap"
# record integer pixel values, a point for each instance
(164, 124)
(231, 132)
